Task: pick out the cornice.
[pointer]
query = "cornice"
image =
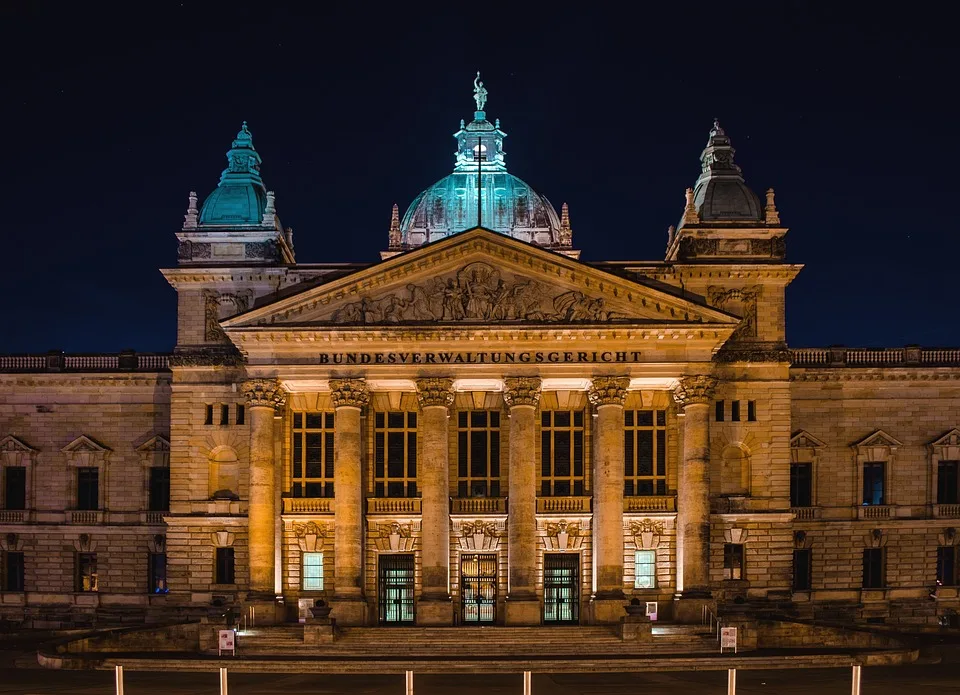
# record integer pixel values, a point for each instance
(740, 271)
(77, 381)
(875, 374)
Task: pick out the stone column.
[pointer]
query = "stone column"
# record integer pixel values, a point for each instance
(264, 398)
(349, 396)
(694, 395)
(435, 606)
(522, 395)
(607, 395)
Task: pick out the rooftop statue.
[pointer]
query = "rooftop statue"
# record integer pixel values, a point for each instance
(479, 92)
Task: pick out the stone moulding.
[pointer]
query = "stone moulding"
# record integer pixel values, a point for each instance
(608, 390)
(351, 393)
(435, 391)
(265, 393)
(693, 390)
(522, 390)
(207, 356)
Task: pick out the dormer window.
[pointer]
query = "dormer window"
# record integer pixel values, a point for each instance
(482, 150)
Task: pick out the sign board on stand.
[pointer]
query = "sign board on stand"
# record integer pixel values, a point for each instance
(728, 639)
(651, 610)
(228, 642)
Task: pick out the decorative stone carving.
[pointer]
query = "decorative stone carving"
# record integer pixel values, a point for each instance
(565, 235)
(608, 390)
(735, 535)
(263, 393)
(218, 305)
(394, 236)
(694, 389)
(875, 539)
(393, 536)
(85, 452)
(262, 250)
(753, 352)
(691, 247)
(16, 452)
(349, 392)
(479, 535)
(191, 250)
(84, 544)
(435, 391)
(310, 536)
(563, 535)
(771, 216)
(646, 533)
(477, 292)
(741, 301)
(207, 356)
(191, 218)
(947, 447)
(222, 539)
(155, 451)
(521, 390)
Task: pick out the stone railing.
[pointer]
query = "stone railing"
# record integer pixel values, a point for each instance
(478, 505)
(563, 505)
(152, 518)
(875, 511)
(805, 513)
(56, 361)
(946, 511)
(84, 517)
(910, 356)
(14, 516)
(308, 505)
(662, 503)
(393, 505)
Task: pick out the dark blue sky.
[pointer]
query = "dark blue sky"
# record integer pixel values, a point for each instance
(113, 113)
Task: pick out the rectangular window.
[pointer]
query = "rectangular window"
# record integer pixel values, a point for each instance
(224, 569)
(561, 453)
(208, 415)
(87, 572)
(720, 407)
(88, 488)
(801, 484)
(735, 411)
(644, 452)
(311, 470)
(241, 413)
(478, 453)
(873, 483)
(157, 573)
(313, 571)
(159, 489)
(948, 482)
(732, 561)
(12, 571)
(873, 570)
(395, 454)
(751, 411)
(224, 414)
(645, 575)
(15, 487)
(947, 566)
(802, 569)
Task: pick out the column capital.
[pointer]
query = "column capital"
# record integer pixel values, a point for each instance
(351, 393)
(694, 389)
(433, 391)
(608, 390)
(521, 390)
(265, 393)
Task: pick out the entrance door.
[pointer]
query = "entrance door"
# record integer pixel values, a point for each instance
(561, 588)
(396, 589)
(478, 579)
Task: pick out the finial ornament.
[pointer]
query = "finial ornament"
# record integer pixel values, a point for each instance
(191, 218)
(771, 214)
(716, 130)
(565, 236)
(479, 92)
(690, 215)
(394, 236)
(270, 210)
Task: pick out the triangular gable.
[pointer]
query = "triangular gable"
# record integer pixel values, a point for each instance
(947, 447)
(481, 276)
(802, 439)
(875, 440)
(156, 444)
(15, 451)
(83, 444)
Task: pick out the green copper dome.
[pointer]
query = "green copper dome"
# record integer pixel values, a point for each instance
(240, 198)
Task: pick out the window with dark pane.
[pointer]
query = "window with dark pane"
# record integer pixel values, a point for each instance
(948, 480)
(947, 565)
(395, 454)
(224, 566)
(644, 452)
(801, 484)
(224, 414)
(157, 573)
(873, 568)
(733, 561)
(873, 483)
(241, 413)
(159, 489)
(14, 487)
(88, 488)
(311, 469)
(735, 411)
(478, 453)
(13, 571)
(719, 413)
(208, 415)
(802, 569)
(751, 411)
(561, 453)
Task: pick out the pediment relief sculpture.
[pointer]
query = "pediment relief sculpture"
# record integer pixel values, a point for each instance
(563, 535)
(646, 533)
(393, 536)
(478, 535)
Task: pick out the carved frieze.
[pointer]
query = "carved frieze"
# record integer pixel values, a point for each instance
(310, 536)
(435, 392)
(608, 390)
(192, 251)
(754, 352)
(741, 301)
(207, 356)
(261, 250)
(563, 535)
(349, 392)
(521, 390)
(478, 535)
(646, 533)
(694, 389)
(267, 393)
(393, 536)
(218, 305)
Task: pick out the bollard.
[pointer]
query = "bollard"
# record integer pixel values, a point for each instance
(223, 681)
(731, 681)
(409, 682)
(119, 677)
(527, 686)
(855, 687)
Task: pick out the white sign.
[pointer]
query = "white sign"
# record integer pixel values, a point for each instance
(651, 610)
(728, 639)
(228, 642)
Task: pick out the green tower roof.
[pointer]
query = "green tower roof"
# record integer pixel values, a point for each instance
(240, 198)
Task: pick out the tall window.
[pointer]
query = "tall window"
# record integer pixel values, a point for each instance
(947, 565)
(478, 453)
(12, 571)
(224, 414)
(732, 561)
(395, 455)
(873, 483)
(312, 470)
(948, 482)
(87, 572)
(802, 569)
(645, 575)
(159, 489)
(735, 411)
(751, 411)
(873, 569)
(224, 567)
(88, 488)
(157, 573)
(241, 412)
(561, 464)
(719, 414)
(313, 571)
(801, 484)
(15, 487)
(644, 452)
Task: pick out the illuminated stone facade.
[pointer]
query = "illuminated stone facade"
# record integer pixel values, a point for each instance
(481, 429)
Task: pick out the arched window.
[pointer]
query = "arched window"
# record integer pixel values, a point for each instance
(224, 474)
(734, 471)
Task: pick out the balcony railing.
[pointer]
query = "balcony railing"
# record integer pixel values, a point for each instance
(910, 356)
(659, 503)
(57, 361)
(875, 511)
(393, 505)
(478, 505)
(308, 505)
(76, 516)
(946, 511)
(563, 505)
(152, 517)
(13, 516)
(805, 513)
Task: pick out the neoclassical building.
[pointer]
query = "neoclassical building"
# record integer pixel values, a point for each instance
(481, 428)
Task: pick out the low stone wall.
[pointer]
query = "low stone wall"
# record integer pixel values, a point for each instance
(170, 638)
(781, 634)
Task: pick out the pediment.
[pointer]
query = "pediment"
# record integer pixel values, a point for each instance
(480, 277)
(877, 440)
(84, 451)
(15, 451)
(947, 446)
(156, 444)
(802, 439)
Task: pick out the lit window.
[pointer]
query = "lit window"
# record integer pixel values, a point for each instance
(313, 571)
(732, 561)
(312, 451)
(395, 454)
(645, 575)
(87, 572)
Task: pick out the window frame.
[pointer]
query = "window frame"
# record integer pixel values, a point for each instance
(300, 433)
(153, 503)
(877, 576)
(153, 575)
(382, 429)
(222, 570)
(490, 432)
(940, 487)
(652, 564)
(659, 453)
(81, 501)
(734, 571)
(552, 432)
(950, 551)
(805, 559)
(880, 466)
(6, 487)
(303, 572)
(794, 500)
(88, 560)
(18, 586)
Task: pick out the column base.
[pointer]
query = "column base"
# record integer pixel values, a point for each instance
(349, 611)
(689, 604)
(607, 608)
(435, 610)
(262, 609)
(522, 610)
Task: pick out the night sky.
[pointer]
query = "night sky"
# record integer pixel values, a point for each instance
(113, 113)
